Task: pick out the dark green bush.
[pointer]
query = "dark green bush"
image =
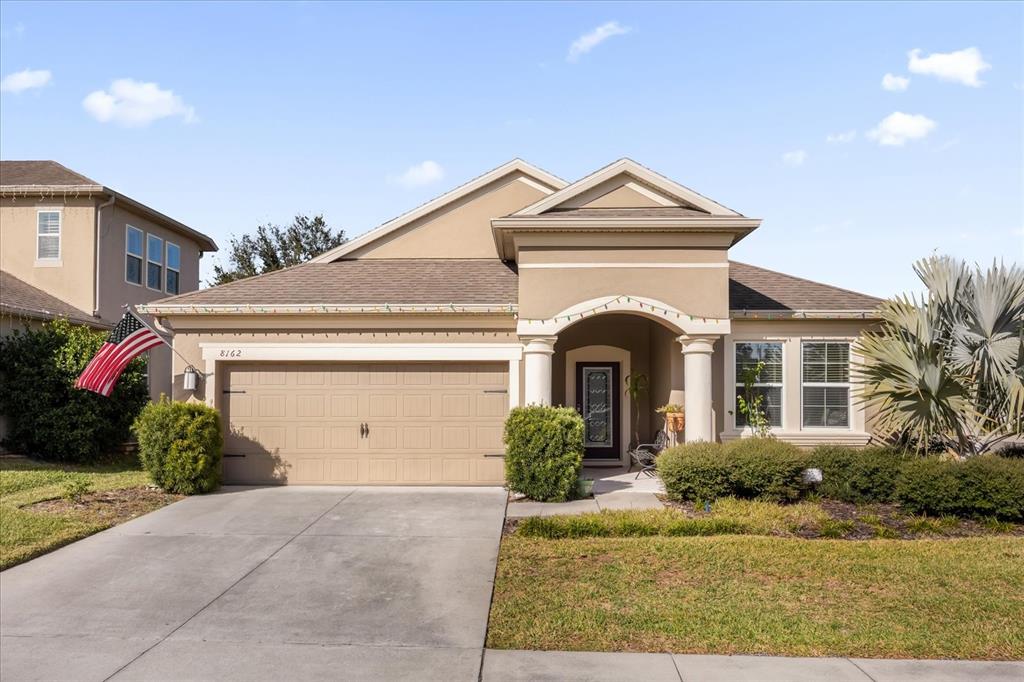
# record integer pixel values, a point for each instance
(761, 468)
(180, 445)
(694, 471)
(543, 452)
(981, 487)
(47, 417)
(858, 475)
(766, 469)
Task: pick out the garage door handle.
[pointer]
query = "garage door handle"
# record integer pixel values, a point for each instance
(228, 390)
(495, 390)
(364, 430)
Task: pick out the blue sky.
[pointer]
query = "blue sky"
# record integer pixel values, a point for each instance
(259, 111)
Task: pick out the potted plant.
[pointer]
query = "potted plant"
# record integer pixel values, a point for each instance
(675, 420)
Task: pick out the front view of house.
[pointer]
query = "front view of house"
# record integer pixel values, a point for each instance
(395, 358)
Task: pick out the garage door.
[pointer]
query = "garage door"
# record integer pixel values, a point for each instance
(355, 423)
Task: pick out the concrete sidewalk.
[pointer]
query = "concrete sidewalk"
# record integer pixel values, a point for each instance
(614, 488)
(574, 666)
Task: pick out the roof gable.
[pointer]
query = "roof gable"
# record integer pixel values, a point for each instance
(654, 188)
(517, 169)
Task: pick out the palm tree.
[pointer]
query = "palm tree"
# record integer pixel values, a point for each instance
(636, 385)
(948, 370)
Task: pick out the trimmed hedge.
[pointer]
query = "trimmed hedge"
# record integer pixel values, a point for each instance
(543, 452)
(180, 446)
(752, 468)
(983, 486)
(47, 417)
(858, 475)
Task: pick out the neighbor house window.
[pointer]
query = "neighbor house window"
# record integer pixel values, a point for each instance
(133, 255)
(48, 235)
(767, 383)
(826, 384)
(173, 267)
(154, 262)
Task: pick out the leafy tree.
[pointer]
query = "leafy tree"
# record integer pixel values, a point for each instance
(274, 247)
(47, 417)
(947, 371)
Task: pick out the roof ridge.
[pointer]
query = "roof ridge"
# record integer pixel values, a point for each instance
(804, 279)
(52, 162)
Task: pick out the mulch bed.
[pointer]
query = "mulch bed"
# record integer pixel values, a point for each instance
(109, 506)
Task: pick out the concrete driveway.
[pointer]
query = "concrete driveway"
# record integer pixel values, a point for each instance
(265, 584)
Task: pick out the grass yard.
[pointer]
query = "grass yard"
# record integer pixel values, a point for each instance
(935, 598)
(27, 528)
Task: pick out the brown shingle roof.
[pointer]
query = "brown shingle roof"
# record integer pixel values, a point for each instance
(436, 281)
(20, 299)
(427, 281)
(41, 173)
(754, 288)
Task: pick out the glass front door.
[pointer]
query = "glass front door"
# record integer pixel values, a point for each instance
(597, 400)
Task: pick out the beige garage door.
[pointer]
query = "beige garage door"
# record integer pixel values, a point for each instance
(355, 423)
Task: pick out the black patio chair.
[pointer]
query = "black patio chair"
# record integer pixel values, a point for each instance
(645, 454)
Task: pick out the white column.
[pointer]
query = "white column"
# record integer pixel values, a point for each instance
(537, 352)
(697, 384)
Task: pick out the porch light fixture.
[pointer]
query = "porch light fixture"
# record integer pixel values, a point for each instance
(191, 378)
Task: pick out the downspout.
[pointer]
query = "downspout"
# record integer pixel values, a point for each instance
(96, 262)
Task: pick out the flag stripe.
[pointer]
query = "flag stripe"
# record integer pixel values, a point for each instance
(129, 338)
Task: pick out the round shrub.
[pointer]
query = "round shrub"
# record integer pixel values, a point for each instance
(694, 472)
(47, 417)
(858, 475)
(766, 468)
(543, 452)
(180, 445)
(982, 486)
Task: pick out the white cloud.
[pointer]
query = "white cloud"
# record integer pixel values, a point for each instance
(28, 79)
(962, 66)
(588, 41)
(420, 174)
(841, 138)
(894, 83)
(794, 158)
(130, 102)
(896, 128)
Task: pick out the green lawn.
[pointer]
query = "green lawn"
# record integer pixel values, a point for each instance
(950, 598)
(25, 534)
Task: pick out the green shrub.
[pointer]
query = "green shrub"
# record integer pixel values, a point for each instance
(858, 475)
(628, 524)
(694, 471)
(543, 452)
(47, 417)
(75, 487)
(180, 445)
(761, 468)
(980, 487)
(766, 469)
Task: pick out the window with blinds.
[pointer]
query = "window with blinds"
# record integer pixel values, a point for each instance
(48, 235)
(768, 383)
(826, 384)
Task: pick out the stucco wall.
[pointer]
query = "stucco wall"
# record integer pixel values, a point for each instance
(70, 278)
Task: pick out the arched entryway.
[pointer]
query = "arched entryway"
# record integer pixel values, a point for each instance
(651, 334)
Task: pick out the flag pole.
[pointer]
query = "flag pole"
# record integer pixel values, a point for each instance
(188, 363)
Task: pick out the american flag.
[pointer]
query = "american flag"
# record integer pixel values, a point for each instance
(128, 340)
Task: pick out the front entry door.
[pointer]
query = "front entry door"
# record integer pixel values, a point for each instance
(597, 399)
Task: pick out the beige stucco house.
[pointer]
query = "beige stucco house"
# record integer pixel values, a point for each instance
(71, 247)
(394, 358)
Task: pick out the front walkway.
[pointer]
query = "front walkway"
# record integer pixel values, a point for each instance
(614, 488)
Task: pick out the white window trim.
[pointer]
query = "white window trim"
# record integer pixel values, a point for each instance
(735, 382)
(142, 258)
(848, 384)
(168, 268)
(160, 263)
(58, 260)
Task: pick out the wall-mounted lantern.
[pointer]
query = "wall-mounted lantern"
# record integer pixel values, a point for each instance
(191, 378)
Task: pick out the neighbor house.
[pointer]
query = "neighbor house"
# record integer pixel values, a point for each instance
(394, 358)
(73, 248)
